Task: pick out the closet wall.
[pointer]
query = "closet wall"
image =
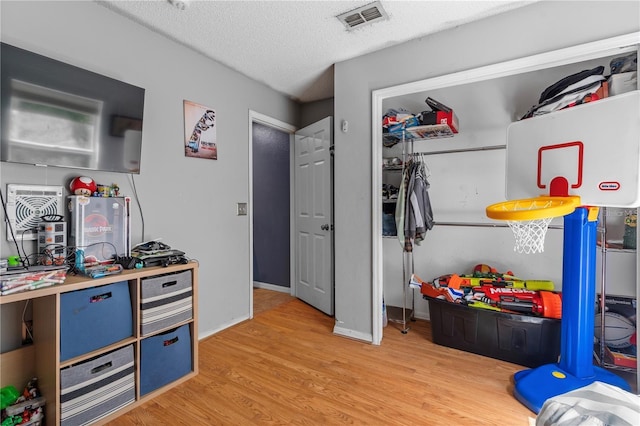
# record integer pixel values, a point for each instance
(515, 34)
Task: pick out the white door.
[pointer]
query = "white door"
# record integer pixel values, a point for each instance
(314, 215)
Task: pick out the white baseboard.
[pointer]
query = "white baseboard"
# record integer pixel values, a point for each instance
(273, 287)
(422, 315)
(205, 334)
(345, 332)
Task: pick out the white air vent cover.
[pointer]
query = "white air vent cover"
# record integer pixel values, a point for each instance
(26, 204)
(366, 14)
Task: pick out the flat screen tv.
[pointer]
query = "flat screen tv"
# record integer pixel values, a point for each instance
(56, 114)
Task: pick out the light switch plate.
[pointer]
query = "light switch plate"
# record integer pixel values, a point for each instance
(242, 209)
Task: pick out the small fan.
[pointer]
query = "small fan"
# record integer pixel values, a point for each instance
(26, 204)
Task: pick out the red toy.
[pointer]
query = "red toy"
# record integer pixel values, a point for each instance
(83, 185)
(543, 303)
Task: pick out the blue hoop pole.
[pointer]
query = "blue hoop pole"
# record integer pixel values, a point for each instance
(575, 368)
(578, 294)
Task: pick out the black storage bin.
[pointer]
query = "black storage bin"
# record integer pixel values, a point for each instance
(520, 339)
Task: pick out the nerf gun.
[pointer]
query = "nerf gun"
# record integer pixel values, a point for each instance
(543, 303)
(436, 290)
(461, 281)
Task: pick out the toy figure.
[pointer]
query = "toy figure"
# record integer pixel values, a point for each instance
(83, 185)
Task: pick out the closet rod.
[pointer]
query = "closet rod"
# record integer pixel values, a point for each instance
(484, 225)
(476, 224)
(451, 151)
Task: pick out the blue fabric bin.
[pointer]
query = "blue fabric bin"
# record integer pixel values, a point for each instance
(165, 358)
(93, 318)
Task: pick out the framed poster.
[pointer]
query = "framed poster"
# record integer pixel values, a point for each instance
(199, 131)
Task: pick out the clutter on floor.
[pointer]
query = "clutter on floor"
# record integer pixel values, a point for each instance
(596, 404)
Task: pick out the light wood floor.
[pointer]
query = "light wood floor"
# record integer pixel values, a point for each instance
(286, 367)
(265, 300)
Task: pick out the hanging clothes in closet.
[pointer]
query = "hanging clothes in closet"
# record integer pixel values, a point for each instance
(414, 216)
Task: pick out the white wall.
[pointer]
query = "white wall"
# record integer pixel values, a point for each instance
(536, 28)
(189, 203)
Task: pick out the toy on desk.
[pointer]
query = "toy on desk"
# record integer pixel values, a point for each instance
(13, 261)
(83, 185)
(103, 270)
(112, 190)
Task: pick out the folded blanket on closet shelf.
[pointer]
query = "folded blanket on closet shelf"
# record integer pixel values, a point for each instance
(571, 90)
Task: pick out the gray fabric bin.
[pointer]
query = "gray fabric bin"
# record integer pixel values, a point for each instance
(93, 389)
(166, 301)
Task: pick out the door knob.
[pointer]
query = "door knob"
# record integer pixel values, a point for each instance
(325, 227)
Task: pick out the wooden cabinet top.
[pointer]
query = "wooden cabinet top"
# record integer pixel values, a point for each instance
(79, 282)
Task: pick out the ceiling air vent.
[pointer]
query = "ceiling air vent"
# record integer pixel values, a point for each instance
(364, 15)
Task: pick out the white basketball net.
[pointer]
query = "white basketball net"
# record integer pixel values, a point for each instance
(529, 234)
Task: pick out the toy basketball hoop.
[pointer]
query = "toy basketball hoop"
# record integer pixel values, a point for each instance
(529, 218)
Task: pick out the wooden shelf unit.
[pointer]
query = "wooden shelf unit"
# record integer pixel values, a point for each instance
(41, 359)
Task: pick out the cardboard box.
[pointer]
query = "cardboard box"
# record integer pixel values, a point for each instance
(440, 118)
(603, 90)
(620, 357)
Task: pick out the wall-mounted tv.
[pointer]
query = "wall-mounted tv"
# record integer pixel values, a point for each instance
(56, 114)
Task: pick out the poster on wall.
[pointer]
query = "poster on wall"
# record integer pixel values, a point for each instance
(199, 131)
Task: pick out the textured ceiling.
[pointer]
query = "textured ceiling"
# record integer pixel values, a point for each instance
(291, 46)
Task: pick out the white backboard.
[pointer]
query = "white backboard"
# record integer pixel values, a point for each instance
(594, 148)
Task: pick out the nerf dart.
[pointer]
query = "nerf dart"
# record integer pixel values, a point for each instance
(482, 305)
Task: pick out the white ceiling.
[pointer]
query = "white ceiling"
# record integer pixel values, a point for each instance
(291, 46)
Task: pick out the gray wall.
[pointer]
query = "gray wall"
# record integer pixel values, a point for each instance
(311, 112)
(190, 203)
(536, 28)
(271, 217)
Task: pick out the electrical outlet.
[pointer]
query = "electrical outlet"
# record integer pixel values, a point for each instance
(242, 209)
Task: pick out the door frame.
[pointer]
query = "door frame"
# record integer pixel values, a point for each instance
(256, 117)
(563, 56)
